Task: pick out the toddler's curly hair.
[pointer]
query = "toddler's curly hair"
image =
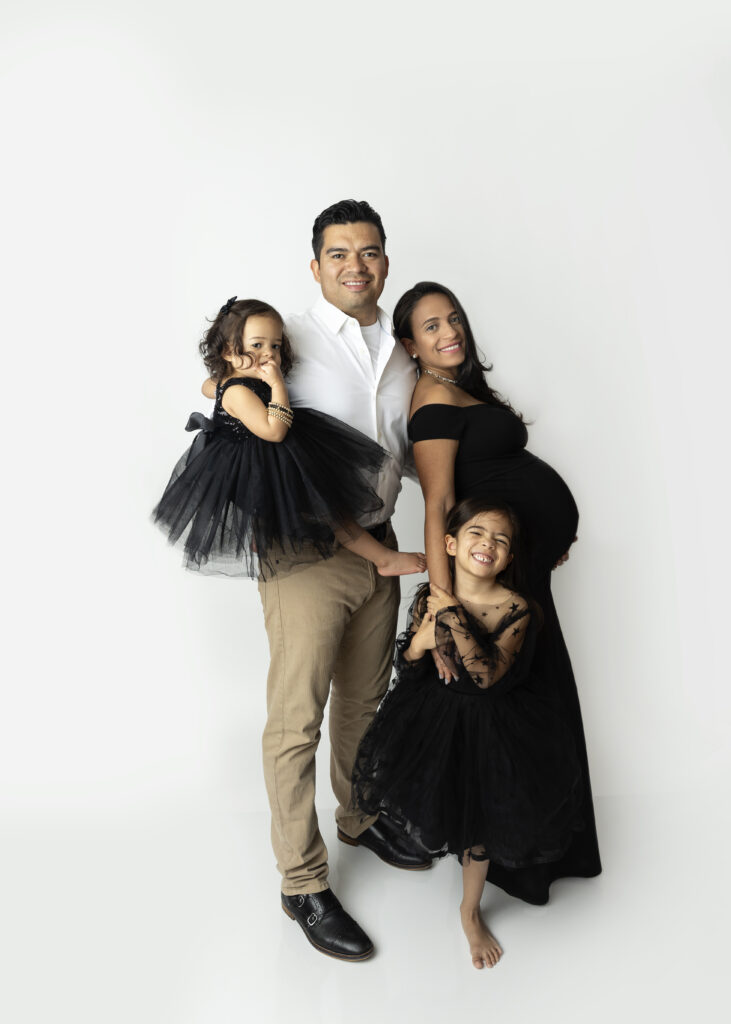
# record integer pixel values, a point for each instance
(226, 334)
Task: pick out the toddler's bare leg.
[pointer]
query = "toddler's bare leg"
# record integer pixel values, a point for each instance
(387, 561)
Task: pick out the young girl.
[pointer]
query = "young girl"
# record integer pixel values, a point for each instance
(265, 488)
(483, 767)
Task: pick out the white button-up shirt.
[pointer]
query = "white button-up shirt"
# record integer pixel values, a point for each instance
(333, 372)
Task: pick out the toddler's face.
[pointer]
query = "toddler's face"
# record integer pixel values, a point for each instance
(262, 344)
(482, 546)
(263, 340)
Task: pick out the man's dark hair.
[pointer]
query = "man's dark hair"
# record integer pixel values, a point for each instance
(347, 211)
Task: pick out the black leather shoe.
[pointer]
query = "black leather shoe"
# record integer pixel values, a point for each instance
(390, 844)
(327, 926)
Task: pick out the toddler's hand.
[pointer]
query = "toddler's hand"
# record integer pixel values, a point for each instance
(270, 373)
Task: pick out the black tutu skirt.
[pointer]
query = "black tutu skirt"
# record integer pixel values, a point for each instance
(491, 771)
(242, 506)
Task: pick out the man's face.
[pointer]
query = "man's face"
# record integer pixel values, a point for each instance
(352, 269)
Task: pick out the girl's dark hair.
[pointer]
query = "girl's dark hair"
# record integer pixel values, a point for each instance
(226, 334)
(514, 576)
(471, 373)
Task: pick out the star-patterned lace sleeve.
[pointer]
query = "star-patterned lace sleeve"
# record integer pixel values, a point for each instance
(403, 666)
(485, 655)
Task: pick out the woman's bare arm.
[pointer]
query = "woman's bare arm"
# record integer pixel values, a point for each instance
(435, 465)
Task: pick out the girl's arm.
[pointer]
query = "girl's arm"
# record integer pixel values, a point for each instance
(435, 465)
(249, 408)
(209, 388)
(486, 663)
(422, 638)
(386, 560)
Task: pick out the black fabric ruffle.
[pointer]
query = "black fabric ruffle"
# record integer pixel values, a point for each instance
(242, 506)
(466, 767)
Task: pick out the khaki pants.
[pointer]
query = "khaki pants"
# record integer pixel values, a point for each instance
(334, 621)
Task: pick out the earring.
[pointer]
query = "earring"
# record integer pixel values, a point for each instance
(414, 355)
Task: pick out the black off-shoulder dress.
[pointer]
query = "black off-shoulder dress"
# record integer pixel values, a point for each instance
(492, 462)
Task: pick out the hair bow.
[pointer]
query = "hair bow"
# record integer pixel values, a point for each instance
(225, 308)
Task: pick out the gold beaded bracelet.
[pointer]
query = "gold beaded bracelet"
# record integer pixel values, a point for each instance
(281, 408)
(283, 416)
(275, 415)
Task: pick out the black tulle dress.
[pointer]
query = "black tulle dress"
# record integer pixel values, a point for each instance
(492, 462)
(486, 764)
(243, 506)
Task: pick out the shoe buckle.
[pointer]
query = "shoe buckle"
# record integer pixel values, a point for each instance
(312, 919)
(300, 901)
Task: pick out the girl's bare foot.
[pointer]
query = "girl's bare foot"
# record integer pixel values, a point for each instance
(402, 563)
(484, 947)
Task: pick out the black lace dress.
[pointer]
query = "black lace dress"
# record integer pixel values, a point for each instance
(486, 764)
(243, 506)
(492, 462)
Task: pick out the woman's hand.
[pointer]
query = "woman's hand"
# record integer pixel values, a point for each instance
(565, 556)
(439, 599)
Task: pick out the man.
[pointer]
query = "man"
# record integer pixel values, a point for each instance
(332, 626)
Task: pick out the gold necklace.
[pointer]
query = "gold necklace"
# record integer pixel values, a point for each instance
(438, 376)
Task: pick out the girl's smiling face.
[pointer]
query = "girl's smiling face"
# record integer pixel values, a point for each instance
(482, 546)
(437, 336)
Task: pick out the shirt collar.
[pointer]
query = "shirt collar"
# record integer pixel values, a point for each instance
(335, 319)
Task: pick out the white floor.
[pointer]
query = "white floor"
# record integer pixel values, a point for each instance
(176, 919)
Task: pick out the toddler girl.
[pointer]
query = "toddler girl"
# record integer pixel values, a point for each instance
(265, 488)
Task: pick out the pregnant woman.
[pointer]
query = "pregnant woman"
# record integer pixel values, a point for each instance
(469, 442)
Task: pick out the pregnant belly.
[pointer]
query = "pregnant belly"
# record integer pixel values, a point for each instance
(538, 495)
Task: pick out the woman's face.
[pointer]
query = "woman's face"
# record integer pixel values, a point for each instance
(437, 335)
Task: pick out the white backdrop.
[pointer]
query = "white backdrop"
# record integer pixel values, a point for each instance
(563, 167)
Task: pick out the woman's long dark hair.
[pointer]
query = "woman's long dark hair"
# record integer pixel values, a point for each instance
(471, 373)
(226, 335)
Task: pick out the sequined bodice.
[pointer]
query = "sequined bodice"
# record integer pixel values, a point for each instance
(228, 426)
